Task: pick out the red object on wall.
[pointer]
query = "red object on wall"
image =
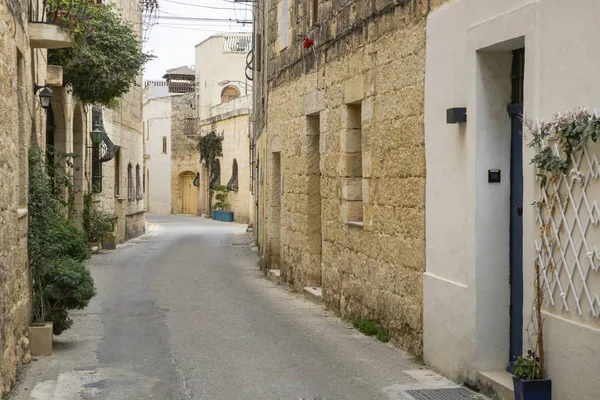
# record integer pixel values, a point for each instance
(307, 42)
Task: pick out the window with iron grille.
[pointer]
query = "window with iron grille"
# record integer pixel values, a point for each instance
(138, 183)
(130, 195)
(117, 173)
(97, 122)
(517, 76)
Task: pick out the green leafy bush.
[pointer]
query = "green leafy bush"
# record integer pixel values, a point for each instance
(96, 223)
(527, 367)
(106, 59)
(68, 286)
(57, 248)
(221, 197)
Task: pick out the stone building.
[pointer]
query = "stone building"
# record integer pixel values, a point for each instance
(22, 67)
(483, 234)
(340, 156)
(65, 124)
(221, 104)
(113, 171)
(157, 130)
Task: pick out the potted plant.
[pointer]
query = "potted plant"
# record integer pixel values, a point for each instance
(60, 280)
(98, 225)
(221, 208)
(527, 378)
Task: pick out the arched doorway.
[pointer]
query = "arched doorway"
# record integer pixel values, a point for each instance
(189, 193)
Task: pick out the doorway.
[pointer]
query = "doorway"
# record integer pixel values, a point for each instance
(313, 211)
(189, 194)
(276, 193)
(515, 111)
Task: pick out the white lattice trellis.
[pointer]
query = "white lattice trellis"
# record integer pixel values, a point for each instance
(566, 247)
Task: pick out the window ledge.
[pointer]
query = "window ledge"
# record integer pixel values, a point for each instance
(359, 224)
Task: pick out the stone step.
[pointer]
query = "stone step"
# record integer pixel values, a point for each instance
(499, 383)
(314, 294)
(274, 275)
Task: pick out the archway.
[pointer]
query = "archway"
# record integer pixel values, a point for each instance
(189, 193)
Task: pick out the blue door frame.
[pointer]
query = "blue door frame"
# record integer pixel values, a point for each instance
(516, 231)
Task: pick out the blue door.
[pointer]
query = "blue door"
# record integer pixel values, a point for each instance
(516, 231)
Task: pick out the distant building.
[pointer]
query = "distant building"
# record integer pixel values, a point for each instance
(157, 110)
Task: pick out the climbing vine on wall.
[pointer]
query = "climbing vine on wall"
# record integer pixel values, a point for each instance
(210, 148)
(559, 144)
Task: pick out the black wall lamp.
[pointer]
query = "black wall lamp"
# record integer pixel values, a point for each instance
(45, 95)
(456, 115)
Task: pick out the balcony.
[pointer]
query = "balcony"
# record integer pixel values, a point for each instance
(48, 20)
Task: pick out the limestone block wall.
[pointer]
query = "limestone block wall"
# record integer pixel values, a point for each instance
(184, 156)
(368, 65)
(22, 122)
(124, 126)
(234, 129)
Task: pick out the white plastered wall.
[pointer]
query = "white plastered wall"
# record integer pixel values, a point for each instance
(466, 290)
(157, 117)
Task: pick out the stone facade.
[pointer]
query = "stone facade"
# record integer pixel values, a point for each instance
(231, 121)
(157, 146)
(22, 122)
(184, 156)
(72, 123)
(340, 156)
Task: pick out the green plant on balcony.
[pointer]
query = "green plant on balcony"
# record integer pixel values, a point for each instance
(106, 59)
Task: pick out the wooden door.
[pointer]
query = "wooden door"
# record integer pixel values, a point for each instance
(189, 194)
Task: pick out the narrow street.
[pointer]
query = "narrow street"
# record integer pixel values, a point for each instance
(184, 313)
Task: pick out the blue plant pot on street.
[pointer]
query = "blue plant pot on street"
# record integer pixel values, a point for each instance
(539, 389)
(225, 216)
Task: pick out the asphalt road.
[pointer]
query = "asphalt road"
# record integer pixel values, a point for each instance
(184, 313)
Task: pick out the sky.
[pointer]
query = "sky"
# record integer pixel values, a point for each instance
(172, 41)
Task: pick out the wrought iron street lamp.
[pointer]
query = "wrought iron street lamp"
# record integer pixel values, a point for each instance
(97, 135)
(45, 95)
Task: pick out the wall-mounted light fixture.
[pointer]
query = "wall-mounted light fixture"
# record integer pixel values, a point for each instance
(96, 135)
(45, 95)
(456, 115)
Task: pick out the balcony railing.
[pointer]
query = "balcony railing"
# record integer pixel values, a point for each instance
(57, 12)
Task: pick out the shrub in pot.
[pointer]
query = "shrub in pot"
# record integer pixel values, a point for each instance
(221, 207)
(57, 249)
(527, 379)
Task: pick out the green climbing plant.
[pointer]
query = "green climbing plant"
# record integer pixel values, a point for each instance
(210, 148)
(557, 143)
(106, 59)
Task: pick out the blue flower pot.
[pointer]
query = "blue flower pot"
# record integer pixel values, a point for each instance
(539, 389)
(227, 216)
